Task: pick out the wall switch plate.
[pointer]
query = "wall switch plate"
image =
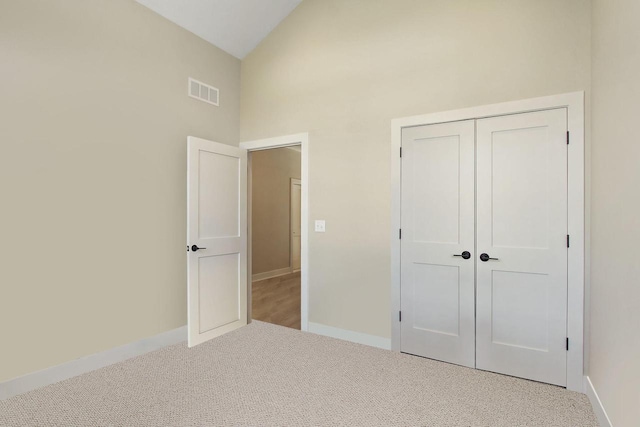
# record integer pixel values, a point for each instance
(320, 226)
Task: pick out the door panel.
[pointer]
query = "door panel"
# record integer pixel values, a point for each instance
(520, 164)
(436, 178)
(296, 216)
(517, 300)
(219, 298)
(436, 293)
(522, 222)
(437, 288)
(217, 224)
(214, 222)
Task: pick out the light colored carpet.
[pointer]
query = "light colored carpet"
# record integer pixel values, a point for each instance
(267, 375)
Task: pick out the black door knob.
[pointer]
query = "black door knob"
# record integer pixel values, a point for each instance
(465, 255)
(486, 257)
(195, 248)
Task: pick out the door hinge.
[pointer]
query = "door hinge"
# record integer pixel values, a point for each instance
(400, 151)
(400, 233)
(400, 316)
(568, 242)
(567, 344)
(567, 137)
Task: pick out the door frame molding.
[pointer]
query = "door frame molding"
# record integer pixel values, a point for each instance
(574, 103)
(301, 139)
(293, 182)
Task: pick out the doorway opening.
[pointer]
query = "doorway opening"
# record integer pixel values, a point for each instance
(275, 250)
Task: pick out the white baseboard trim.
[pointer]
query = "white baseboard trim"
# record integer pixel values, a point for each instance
(346, 335)
(90, 363)
(601, 414)
(270, 274)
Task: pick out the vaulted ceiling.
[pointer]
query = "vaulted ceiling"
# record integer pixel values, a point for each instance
(235, 26)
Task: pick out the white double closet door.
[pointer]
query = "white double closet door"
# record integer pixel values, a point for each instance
(484, 244)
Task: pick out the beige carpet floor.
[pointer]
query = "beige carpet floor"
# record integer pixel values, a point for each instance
(267, 375)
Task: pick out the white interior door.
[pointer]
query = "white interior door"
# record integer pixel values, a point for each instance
(522, 227)
(437, 285)
(216, 239)
(296, 215)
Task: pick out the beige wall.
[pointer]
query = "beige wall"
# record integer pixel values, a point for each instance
(95, 117)
(615, 268)
(271, 173)
(342, 69)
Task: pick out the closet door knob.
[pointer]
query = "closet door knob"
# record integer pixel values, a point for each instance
(195, 248)
(486, 257)
(464, 255)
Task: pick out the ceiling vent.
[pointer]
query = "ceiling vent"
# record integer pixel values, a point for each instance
(203, 92)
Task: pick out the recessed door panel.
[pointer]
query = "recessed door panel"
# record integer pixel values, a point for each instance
(520, 187)
(437, 287)
(520, 309)
(213, 221)
(436, 189)
(436, 296)
(219, 296)
(521, 229)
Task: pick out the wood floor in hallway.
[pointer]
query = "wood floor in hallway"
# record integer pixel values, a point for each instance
(277, 300)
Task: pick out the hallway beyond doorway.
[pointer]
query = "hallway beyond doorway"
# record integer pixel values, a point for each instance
(277, 300)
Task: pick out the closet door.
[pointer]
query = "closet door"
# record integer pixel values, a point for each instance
(437, 282)
(522, 245)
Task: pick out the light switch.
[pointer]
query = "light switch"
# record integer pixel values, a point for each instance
(320, 226)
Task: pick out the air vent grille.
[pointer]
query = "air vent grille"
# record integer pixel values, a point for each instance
(203, 92)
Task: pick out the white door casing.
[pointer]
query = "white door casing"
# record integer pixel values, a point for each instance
(437, 293)
(522, 222)
(295, 221)
(217, 223)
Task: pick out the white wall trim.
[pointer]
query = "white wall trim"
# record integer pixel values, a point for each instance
(601, 414)
(271, 274)
(574, 102)
(301, 139)
(90, 363)
(346, 335)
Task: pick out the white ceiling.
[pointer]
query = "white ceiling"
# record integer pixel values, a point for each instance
(235, 26)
